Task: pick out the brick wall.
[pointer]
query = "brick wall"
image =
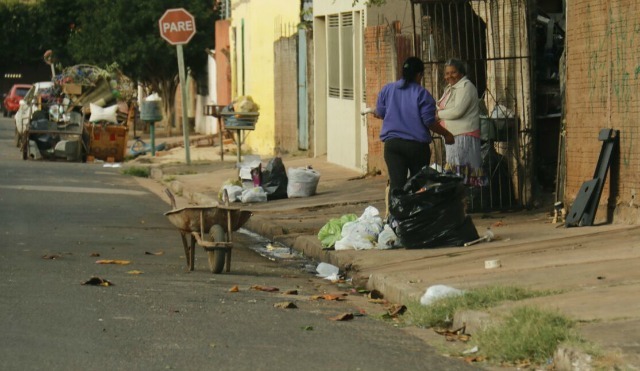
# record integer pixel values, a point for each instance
(286, 94)
(603, 70)
(385, 49)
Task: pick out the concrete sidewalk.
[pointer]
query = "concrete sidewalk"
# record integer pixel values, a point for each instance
(594, 269)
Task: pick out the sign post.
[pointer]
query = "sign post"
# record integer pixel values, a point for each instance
(178, 26)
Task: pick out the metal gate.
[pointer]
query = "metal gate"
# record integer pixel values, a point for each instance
(492, 38)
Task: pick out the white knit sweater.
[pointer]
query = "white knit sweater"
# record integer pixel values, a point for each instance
(460, 114)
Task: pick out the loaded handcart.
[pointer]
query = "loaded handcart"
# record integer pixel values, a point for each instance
(211, 227)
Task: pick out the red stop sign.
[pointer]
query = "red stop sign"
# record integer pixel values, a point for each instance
(177, 26)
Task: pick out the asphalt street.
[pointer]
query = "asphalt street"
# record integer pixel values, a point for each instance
(59, 218)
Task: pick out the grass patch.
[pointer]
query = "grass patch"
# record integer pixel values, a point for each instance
(527, 335)
(142, 172)
(440, 313)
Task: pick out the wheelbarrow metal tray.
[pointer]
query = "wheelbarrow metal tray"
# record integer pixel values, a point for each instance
(187, 219)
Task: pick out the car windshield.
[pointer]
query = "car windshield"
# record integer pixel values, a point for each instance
(22, 91)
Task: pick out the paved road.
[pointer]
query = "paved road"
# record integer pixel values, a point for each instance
(164, 318)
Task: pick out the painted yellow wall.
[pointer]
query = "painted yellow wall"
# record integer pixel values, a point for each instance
(262, 24)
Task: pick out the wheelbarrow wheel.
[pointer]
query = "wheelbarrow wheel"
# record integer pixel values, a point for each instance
(217, 257)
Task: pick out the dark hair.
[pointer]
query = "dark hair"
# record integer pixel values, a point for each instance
(458, 65)
(410, 69)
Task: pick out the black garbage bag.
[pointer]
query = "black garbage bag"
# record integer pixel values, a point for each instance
(44, 141)
(275, 180)
(430, 211)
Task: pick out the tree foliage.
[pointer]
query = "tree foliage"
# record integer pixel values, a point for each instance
(20, 42)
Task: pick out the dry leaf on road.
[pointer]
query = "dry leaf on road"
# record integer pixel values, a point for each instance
(285, 305)
(265, 288)
(110, 261)
(342, 317)
(154, 253)
(135, 272)
(234, 289)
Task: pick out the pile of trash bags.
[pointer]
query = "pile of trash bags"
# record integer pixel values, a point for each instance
(350, 232)
(428, 212)
(256, 183)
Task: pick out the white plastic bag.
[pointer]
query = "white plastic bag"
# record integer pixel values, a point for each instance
(302, 182)
(502, 112)
(353, 242)
(328, 271)
(256, 194)
(103, 114)
(362, 233)
(436, 292)
(387, 238)
(234, 192)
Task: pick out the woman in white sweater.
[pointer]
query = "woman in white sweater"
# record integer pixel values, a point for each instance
(458, 112)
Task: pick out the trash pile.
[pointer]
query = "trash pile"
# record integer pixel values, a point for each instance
(84, 118)
(256, 183)
(428, 212)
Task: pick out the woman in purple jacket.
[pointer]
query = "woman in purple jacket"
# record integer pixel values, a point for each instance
(408, 113)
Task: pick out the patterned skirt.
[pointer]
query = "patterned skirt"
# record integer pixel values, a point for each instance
(464, 159)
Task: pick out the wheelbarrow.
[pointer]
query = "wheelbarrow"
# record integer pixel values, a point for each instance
(211, 227)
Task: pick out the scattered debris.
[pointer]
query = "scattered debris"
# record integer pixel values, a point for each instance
(109, 261)
(488, 236)
(291, 292)
(285, 305)
(94, 254)
(51, 256)
(375, 294)
(436, 292)
(491, 264)
(328, 271)
(473, 359)
(234, 289)
(97, 281)
(307, 328)
(378, 301)
(396, 309)
(454, 335)
(154, 253)
(471, 351)
(265, 288)
(328, 297)
(135, 272)
(342, 317)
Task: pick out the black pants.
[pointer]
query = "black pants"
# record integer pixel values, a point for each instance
(402, 156)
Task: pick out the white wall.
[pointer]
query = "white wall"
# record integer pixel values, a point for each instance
(207, 124)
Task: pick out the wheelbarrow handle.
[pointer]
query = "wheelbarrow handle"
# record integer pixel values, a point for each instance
(171, 198)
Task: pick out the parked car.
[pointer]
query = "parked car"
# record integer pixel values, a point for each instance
(33, 101)
(11, 101)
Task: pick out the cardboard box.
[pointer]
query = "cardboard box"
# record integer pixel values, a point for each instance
(107, 141)
(72, 89)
